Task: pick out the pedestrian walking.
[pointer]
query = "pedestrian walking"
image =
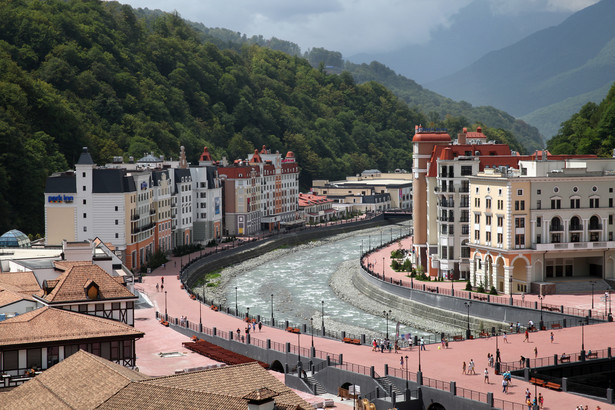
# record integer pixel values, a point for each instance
(374, 345)
(472, 371)
(505, 338)
(423, 344)
(260, 325)
(401, 362)
(463, 368)
(157, 287)
(162, 279)
(535, 352)
(396, 346)
(527, 336)
(504, 386)
(541, 400)
(551, 337)
(486, 376)
(161, 287)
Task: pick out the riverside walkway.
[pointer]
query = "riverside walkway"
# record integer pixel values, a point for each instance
(440, 364)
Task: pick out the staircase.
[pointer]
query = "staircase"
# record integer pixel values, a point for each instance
(582, 286)
(313, 382)
(386, 384)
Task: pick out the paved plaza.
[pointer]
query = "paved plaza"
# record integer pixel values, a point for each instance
(441, 364)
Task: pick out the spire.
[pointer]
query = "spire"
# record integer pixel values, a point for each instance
(182, 158)
(85, 158)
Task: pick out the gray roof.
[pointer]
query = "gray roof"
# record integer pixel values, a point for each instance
(179, 173)
(61, 184)
(149, 158)
(112, 180)
(85, 158)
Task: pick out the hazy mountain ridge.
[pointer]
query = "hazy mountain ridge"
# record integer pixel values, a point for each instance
(571, 59)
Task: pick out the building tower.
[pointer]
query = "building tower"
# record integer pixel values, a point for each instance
(423, 142)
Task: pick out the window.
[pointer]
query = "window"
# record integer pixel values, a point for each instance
(116, 222)
(538, 192)
(477, 202)
(476, 218)
(519, 192)
(611, 219)
(538, 238)
(85, 229)
(519, 222)
(500, 221)
(488, 236)
(488, 203)
(519, 205)
(594, 202)
(520, 241)
(34, 358)
(84, 202)
(555, 189)
(610, 202)
(538, 204)
(117, 235)
(575, 203)
(85, 215)
(466, 170)
(539, 222)
(488, 219)
(500, 238)
(10, 360)
(84, 187)
(477, 235)
(500, 204)
(556, 204)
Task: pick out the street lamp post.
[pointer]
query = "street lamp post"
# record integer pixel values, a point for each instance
(236, 306)
(299, 353)
(382, 268)
(248, 315)
(541, 297)
(592, 283)
(468, 304)
(420, 346)
(312, 329)
(381, 238)
(322, 316)
(272, 323)
(406, 370)
(384, 312)
(166, 316)
(582, 337)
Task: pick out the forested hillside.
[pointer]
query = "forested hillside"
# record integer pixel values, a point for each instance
(590, 131)
(90, 73)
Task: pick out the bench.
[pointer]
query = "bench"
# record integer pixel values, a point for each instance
(553, 386)
(538, 382)
(293, 329)
(592, 355)
(564, 359)
(214, 308)
(457, 338)
(556, 326)
(351, 341)
(483, 334)
(164, 323)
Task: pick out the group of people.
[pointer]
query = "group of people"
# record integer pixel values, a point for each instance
(470, 368)
(531, 403)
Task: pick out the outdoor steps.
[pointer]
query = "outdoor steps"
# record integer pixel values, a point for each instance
(313, 382)
(386, 384)
(582, 286)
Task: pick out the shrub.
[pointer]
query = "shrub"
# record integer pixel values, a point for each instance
(493, 291)
(468, 286)
(481, 288)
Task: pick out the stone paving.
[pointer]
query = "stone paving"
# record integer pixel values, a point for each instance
(442, 364)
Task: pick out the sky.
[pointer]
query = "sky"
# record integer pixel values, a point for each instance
(348, 26)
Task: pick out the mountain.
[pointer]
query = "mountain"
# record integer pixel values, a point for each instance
(559, 63)
(476, 29)
(589, 131)
(92, 73)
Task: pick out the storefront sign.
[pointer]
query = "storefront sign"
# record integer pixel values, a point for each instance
(60, 198)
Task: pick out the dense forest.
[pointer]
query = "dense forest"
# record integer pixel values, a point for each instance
(590, 131)
(90, 73)
(441, 112)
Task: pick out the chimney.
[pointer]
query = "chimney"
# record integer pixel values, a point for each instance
(461, 137)
(261, 399)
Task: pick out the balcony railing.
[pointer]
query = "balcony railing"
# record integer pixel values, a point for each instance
(135, 217)
(556, 228)
(573, 245)
(595, 227)
(575, 228)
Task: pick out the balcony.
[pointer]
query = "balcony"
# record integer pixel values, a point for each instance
(135, 217)
(464, 189)
(556, 228)
(595, 227)
(573, 246)
(575, 228)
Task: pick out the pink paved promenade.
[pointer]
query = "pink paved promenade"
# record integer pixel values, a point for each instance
(438, 364)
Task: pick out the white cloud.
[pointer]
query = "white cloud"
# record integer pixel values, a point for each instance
(515, 7)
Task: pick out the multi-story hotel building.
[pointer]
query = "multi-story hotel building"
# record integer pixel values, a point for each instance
(260, 193)
(549, 221)
(139, 207)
